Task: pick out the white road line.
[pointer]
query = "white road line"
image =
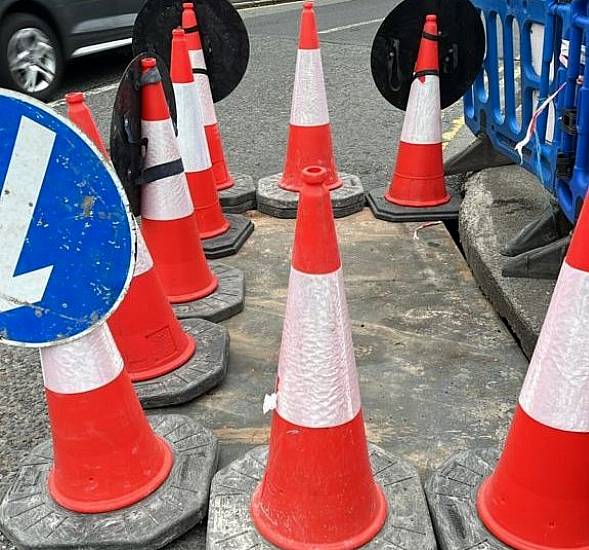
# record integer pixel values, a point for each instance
(352, 26)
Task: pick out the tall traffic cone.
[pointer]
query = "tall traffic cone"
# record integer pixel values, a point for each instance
(418, 186)
(168, 220)
(321, 455)
(537, 498)
(237, 192)
(223, 178)
(159, 355)
(88, 477)
(79, 113)
(193, 142)
(318, 489)
(213, 225)
(309, 137)
(106, 459)
(419, 175)
(169, 363)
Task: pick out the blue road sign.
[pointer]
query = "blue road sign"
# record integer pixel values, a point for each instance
(66, 233)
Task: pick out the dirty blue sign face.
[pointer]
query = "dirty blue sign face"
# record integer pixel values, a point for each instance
(66, 236)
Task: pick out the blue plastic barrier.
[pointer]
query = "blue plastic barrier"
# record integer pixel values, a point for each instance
(571, 184)
(485, 112)
(495, 108)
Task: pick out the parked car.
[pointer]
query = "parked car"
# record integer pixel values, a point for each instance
(38, 37)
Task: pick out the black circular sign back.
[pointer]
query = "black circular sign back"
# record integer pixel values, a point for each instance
(461, 48)
(125, 130)
(223, 35)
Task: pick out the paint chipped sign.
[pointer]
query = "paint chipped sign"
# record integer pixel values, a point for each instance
(66, 233)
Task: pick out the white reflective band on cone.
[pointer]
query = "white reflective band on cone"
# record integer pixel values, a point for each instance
(191, 133)
(317, 379)
(423, 116)
(83, 365)
(168, 198)
(144, 261)
(309, 101)
(197, 60)
(556, 390)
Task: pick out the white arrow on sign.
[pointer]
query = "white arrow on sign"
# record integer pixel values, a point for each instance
(18, 200)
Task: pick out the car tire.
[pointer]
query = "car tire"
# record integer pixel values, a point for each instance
(41, 70)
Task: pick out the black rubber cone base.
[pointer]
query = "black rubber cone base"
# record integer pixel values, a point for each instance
(206, 369)
(231, 241)
(32, 520)
(230, 526)
(387, 211)
(279, 203)
(241, 197)
(451, 493)
(228, 300)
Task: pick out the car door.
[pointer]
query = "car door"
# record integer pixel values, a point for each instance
(101, 21)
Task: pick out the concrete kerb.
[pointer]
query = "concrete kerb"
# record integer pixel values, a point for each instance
(498, 203)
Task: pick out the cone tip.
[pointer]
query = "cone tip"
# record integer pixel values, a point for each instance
(314, 175)
(308, 5)
(75, 97)
(148, 63)
(188, 6)
(178, 33)
(431, 18)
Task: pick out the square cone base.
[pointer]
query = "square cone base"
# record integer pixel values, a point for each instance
(230, 525)
(279, 203)
(387, 211)
(205, 370)
(231, 241)
(32, 520)
(241, 197)
(451, 493)
(228, 300)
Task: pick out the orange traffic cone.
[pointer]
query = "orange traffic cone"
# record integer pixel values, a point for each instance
(79, 113)
(193, 143)
(418, 180)
(89, 476)
(537, 498)
(296, 511)
(237, 192)
(106, 463)
(417, 191)
(223, 178)
(309, 139)
(222, 235)
(318, 490)
(168, 220)
(170, 363)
